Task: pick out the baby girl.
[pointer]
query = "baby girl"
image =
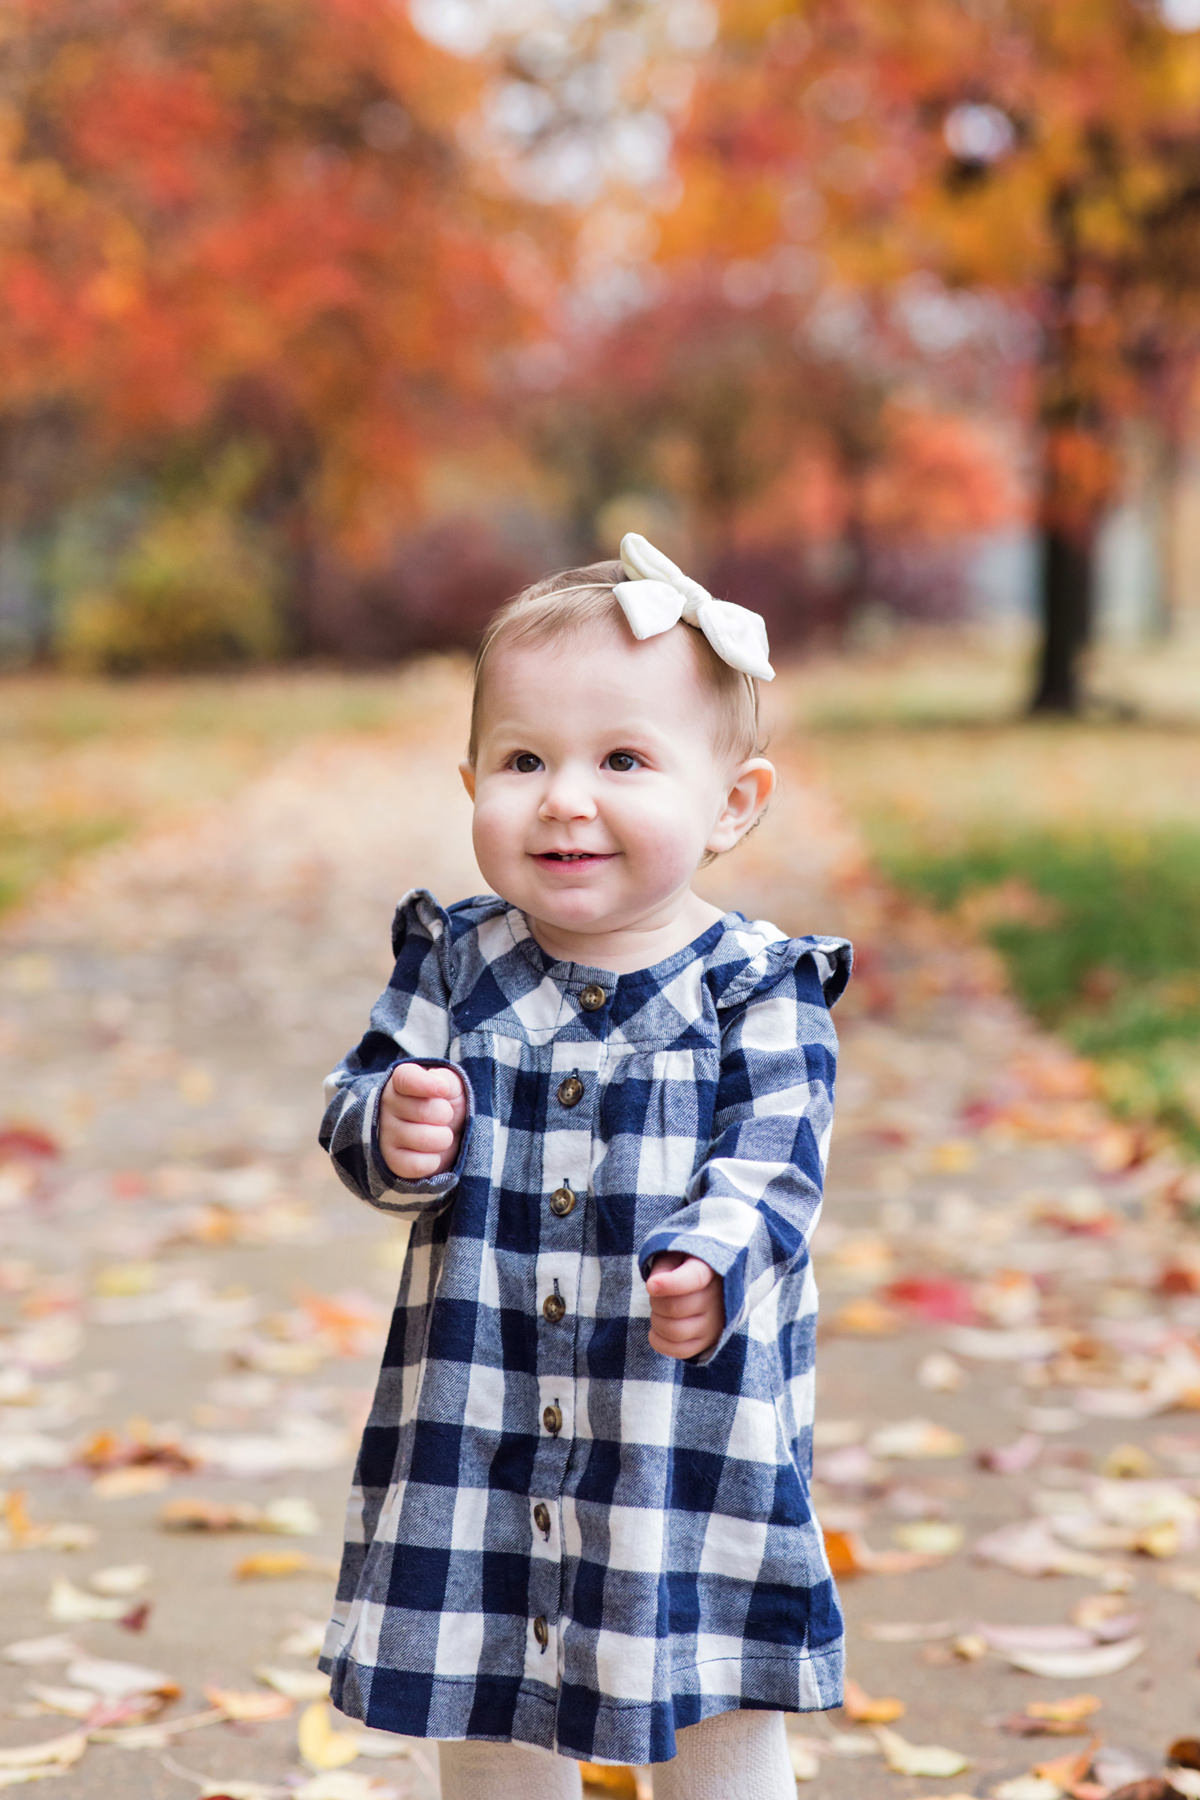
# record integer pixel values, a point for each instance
(580, 1528)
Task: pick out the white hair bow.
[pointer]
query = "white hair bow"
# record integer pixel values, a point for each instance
(658, 595)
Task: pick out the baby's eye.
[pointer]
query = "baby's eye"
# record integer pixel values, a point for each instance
(621, 761)
(526, 763)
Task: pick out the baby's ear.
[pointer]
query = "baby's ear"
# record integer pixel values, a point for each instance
(467, 771)
(752, 786)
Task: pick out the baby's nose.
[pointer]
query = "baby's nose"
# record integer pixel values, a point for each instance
(568, 796)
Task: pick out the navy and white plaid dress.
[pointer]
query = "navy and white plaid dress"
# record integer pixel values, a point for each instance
(556, 1534)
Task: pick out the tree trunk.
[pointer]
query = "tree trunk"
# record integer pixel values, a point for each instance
(1066, 577)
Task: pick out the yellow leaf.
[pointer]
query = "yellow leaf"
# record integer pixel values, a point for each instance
(1064, 1712)
(952, 1157)
(930, 1537)
(272, 1563)
(320, 1745)
(866, 1711)
(58, 1752)
(600, 1778)
(1068, 1770)
(297, 1684)
(919, 1759)
(122, 1484)
(248, 1707)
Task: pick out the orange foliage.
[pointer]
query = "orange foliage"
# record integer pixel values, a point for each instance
(1041, 153)
(262, 204)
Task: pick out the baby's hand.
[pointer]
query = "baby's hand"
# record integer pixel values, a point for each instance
(421, 1114)
(687, 1304)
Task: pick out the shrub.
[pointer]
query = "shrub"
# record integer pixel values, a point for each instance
(198, 587)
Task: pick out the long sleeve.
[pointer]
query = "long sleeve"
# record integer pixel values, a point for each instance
(753, 1203)
(410, 1022)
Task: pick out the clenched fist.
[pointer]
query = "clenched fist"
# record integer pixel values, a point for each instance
(687, 1304)
(421, 1115)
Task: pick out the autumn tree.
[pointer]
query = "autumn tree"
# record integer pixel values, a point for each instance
(259, 219)
(1047, 157)
(797, 482)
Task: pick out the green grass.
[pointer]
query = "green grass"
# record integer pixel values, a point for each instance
(1073, 846)
(1110, 958)
(29, 856)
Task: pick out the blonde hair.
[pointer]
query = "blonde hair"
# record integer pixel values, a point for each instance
(569, 601)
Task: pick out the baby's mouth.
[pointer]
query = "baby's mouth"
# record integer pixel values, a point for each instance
(572, 856)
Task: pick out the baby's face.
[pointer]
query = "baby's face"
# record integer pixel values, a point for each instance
(599, 780)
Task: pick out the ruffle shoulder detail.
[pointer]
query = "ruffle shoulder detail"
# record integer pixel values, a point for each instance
(770, 956)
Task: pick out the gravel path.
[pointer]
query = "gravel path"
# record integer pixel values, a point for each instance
(193, 1308)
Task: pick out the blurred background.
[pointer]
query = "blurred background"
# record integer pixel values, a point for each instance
(327, 324)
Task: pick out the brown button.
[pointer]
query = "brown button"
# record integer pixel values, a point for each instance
(593, 997)
(552, 1419)
(541, 1631)
(570, 1091)
(554, 1306)
(541, 1518)
(561, 1201)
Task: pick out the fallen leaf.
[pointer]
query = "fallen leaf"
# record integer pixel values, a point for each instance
(70, 1605)
(919, 1759)
(844, 1550)
(271, 1564)
(306, 1637)
(865, 1317)
(929, 1537)
(297, 1684)
(76, 1703)
(915, 1438)
(603, 1778)
(940, 1373)
(59, 1751)
(209, 1515)
(120, 1579)
(127, 1483)
(1011, 1459)
(1066, 1711)
(1074, 1665)
(1021, 1344)
(938, 1300)
(1052, 1718)
(157, 1736)
(1030, 1547)
(117, 1679)
(40, 1650)
(345, 1784)
(1068, 1771)
(805, 1759)
(1154, 1787)
(239, 1790)
(249, 1707)
(866, 1711)
(898, 1631)
(1036, 1637)
(18, 1142)
(320, 1745)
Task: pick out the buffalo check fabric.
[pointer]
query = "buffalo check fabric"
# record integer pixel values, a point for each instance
(557, 1535)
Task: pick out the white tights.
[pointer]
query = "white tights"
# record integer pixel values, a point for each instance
(741, 1755)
